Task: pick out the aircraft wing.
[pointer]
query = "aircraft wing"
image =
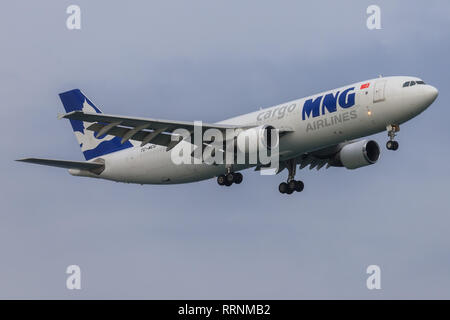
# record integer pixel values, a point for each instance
(82, 165)
(141, 129)
(318, 159)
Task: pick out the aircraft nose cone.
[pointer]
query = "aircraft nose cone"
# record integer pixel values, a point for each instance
(435, 92)
(431, 94)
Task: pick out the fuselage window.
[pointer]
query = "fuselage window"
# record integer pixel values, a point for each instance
(412, 83)
(406, 84)
(420, 82)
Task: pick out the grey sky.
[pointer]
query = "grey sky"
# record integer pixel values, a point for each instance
(210, 60)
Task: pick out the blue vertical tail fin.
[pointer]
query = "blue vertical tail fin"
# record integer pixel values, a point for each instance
(91, 146)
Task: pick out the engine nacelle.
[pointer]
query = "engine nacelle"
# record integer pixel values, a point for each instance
(264, 136)
(359, 154)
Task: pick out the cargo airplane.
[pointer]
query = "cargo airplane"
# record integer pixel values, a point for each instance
(316, 131)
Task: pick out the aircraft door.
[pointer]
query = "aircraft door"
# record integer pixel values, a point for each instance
(378, 91)
(365, 106)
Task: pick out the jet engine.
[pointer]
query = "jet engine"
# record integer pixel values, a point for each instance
(249, 140)
(357, 154)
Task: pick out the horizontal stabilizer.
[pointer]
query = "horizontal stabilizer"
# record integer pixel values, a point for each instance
(82, 165)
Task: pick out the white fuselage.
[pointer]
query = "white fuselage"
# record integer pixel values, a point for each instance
(384, 102)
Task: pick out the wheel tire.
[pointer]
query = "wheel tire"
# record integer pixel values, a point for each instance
(229, 178)
(237, 177)
(292, 184)
(283, 187)
(228, 183)
(289, 191)
(299, 186)
(221, 180)
(389, 145)
(394, 145)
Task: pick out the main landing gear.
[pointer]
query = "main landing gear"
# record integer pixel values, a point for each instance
(392, 129)
(229, 178)
(291, 185)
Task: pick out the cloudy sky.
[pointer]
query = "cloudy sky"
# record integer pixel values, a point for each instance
(211, 60)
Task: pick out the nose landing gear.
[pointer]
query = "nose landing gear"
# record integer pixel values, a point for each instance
(392, 145)
(392, 129)
(291, 185)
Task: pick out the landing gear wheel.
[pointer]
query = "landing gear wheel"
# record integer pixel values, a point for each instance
(283, 187)
(237, 177)
(392, 145)
(221, 180)
(229, 178)
(292, 184)
(395, 146)
(392, 132)
(290, 187)
(299, 186)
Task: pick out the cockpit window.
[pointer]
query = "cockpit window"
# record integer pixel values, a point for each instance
(412, 83)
